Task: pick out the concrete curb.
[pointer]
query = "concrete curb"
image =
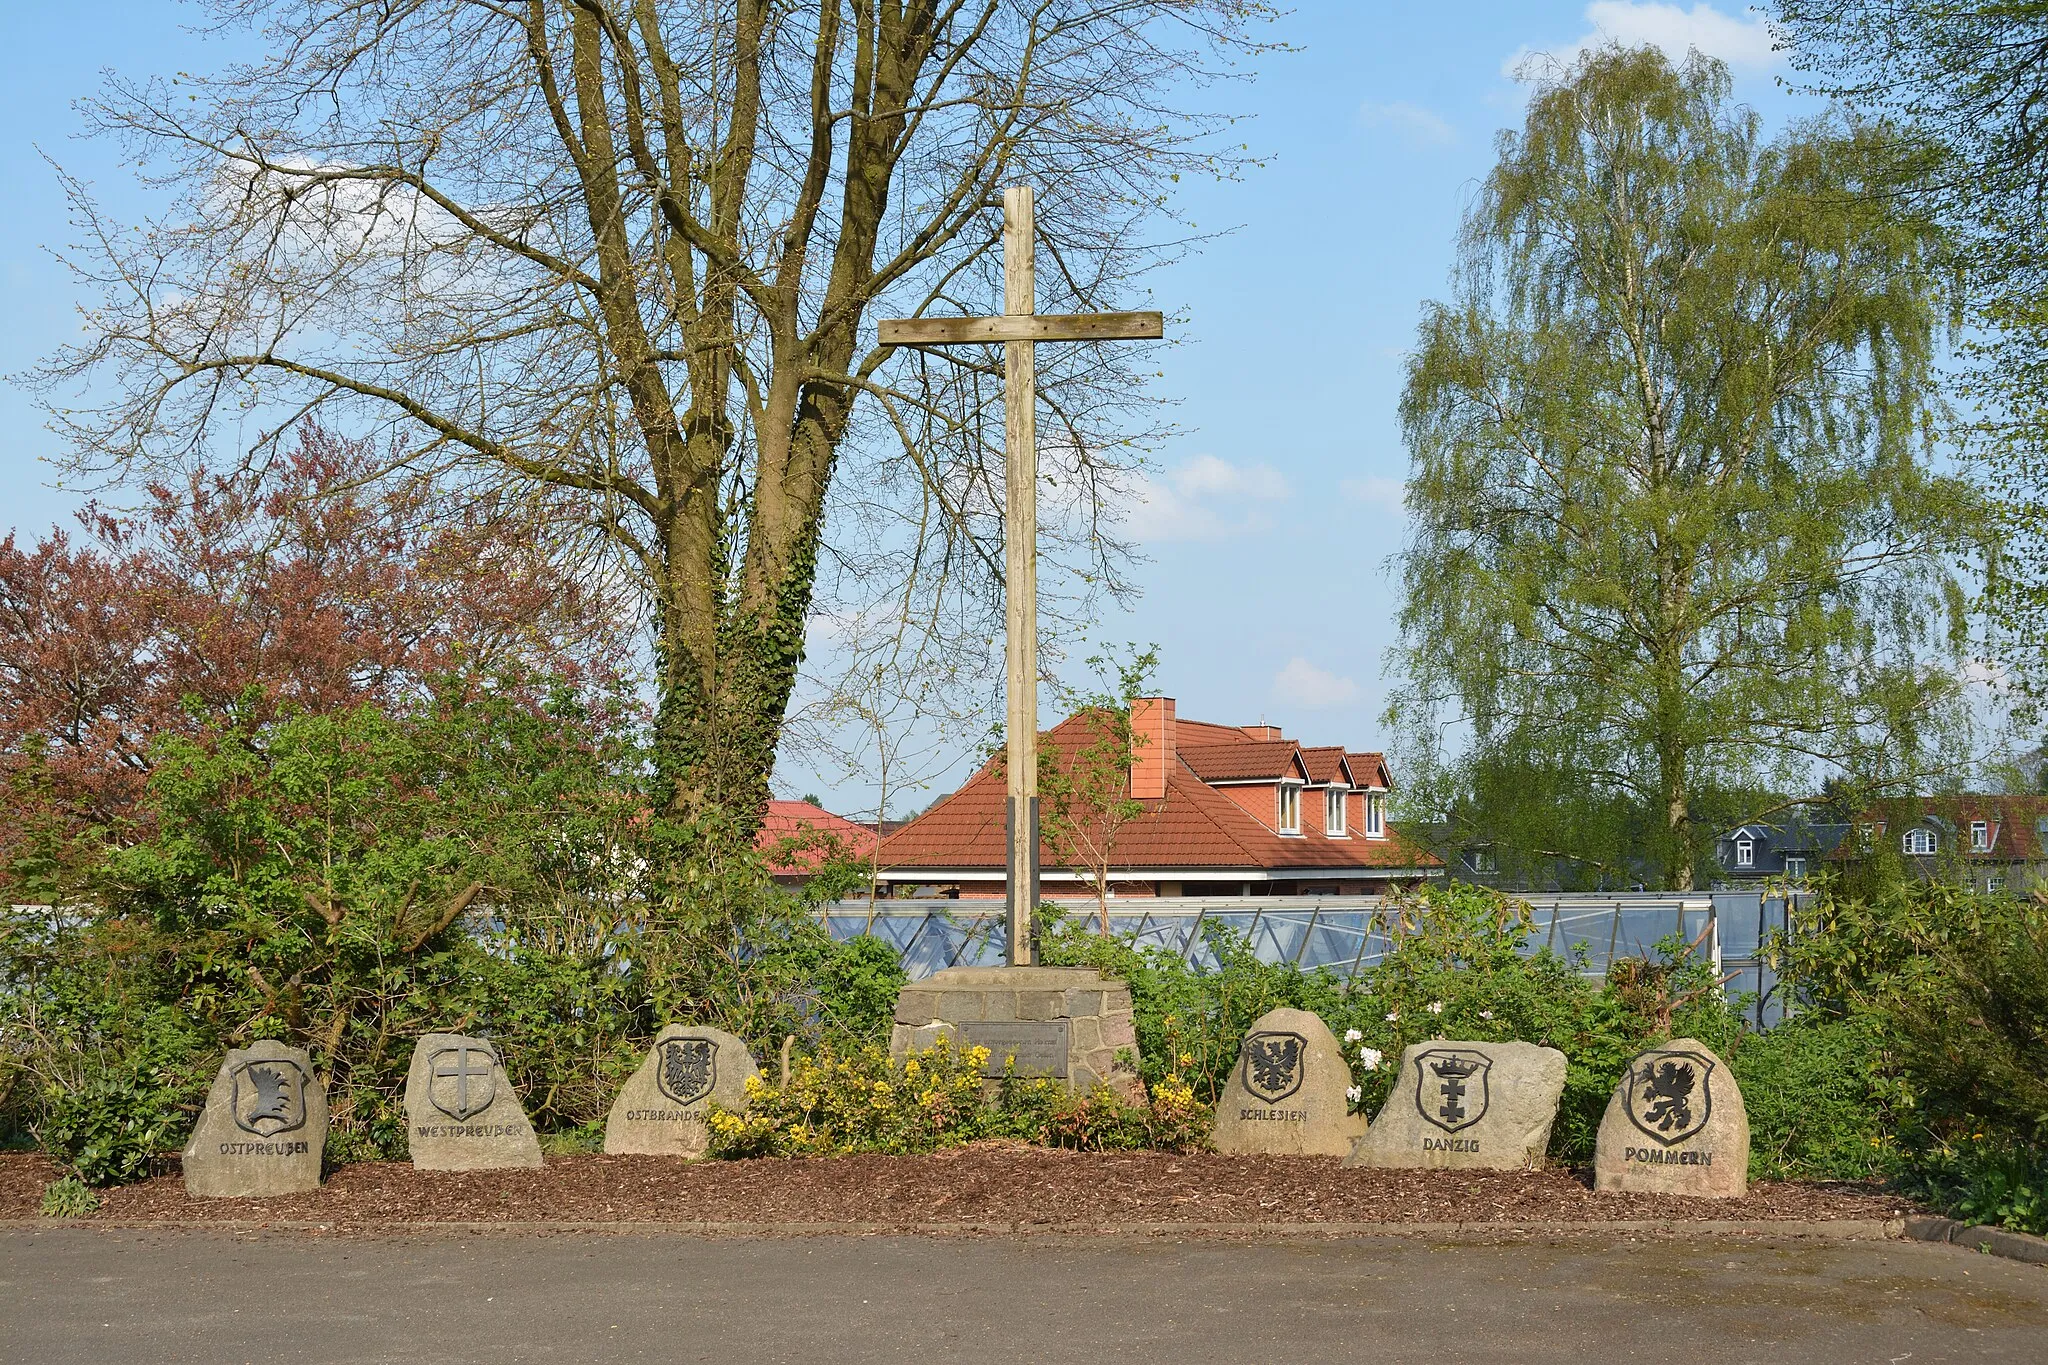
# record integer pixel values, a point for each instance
(2014, 1246)
(1833, 1230)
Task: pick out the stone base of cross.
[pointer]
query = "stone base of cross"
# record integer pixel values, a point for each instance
(1018, 328)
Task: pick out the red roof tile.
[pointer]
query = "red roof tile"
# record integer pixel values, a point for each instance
(1369, 770)
(1325, 763)
(1247, 761)
(804, 835)
(2016, 824)
(1194, 826)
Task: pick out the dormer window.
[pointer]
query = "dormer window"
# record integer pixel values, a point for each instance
(1333, 812)
(1290, 808)
(1745, 852)
(1980, 836)
(1375, 816)
(1919, 843)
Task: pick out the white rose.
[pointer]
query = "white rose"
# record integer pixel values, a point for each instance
(1393, 1016)
(1436, 1007)
(1353, 1093)
(1352, 1035)
(1371, 1056)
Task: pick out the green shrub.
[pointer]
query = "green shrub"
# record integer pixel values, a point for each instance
(109, 1126)
(1955, 984)
(863, 1101)
(582, 1140)
(1983, 1180)
(1815, 1093)
(474, 859)
(1171, 1120)
(1947, 991)
(69, 1198)
(1457, 968)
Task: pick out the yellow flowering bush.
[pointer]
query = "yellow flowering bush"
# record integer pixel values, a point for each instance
(866, 1101)
(861, 1101)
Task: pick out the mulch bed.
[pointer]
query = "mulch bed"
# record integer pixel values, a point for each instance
(1001, 1183)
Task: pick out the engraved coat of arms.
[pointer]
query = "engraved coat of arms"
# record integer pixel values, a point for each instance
(1274, 1064)
(1667, 1095)
(270, 1097)
(1451, 1089)
(686, 1069)
(462, 1079)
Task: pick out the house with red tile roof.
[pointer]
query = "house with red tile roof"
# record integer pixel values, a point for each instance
(1228, 810)
(797, 837)
(1989, 842)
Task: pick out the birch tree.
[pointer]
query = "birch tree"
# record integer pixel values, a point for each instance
(1969, 78)
(1675, 520)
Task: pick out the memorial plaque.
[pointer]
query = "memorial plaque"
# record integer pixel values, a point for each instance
(461, 1112)
(1675, 1125)
(1288, 1094)
(1040, 1046)
(264, 1127)
(1471, 1105)
(1069, 1024)
(662, 1108)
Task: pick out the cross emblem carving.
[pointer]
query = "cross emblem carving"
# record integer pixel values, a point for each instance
(460, 1070)
(1019, 327)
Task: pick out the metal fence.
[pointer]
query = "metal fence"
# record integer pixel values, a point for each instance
(1347, 933)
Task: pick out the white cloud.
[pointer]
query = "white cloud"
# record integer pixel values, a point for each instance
(1987, 673)
(1206, 499)
(1378, 492)
(1303, 684)
(1744, 41)
(1411, 122)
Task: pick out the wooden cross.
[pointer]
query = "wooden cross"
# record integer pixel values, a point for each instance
(1018, 328)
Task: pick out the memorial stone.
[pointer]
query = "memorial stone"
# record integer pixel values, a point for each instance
(661, 1109)
(1286, 1095)
(1675, 1125)
(1467, 1106)
(461, 1112)
(264, 1127)
(1069, 1023)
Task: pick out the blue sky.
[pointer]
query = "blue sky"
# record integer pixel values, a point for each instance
(1268, 522)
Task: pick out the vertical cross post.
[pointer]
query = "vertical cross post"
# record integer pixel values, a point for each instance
(1019, 328)
(1020, 570)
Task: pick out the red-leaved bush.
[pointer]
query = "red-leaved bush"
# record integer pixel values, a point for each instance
(309, 584)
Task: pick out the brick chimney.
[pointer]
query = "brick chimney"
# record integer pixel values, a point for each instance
(1264, 732)
(1153, 739)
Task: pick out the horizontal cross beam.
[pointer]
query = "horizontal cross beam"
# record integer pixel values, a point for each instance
(1024, 327)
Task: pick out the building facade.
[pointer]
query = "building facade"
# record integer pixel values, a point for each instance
(1988, 842)
(1786, 848)
(1227, 810)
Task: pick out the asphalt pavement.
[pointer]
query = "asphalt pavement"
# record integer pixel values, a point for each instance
(187, 1295)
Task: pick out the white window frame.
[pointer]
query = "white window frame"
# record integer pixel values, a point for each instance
(1918, 843)
(1980, 836)
(1994, 883)
(1745, 851)
(1288, 808)
(1333, 812)
(1795, 867)
(1375, 815)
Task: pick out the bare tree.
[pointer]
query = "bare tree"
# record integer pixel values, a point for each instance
(902, 708)
(620, 255)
